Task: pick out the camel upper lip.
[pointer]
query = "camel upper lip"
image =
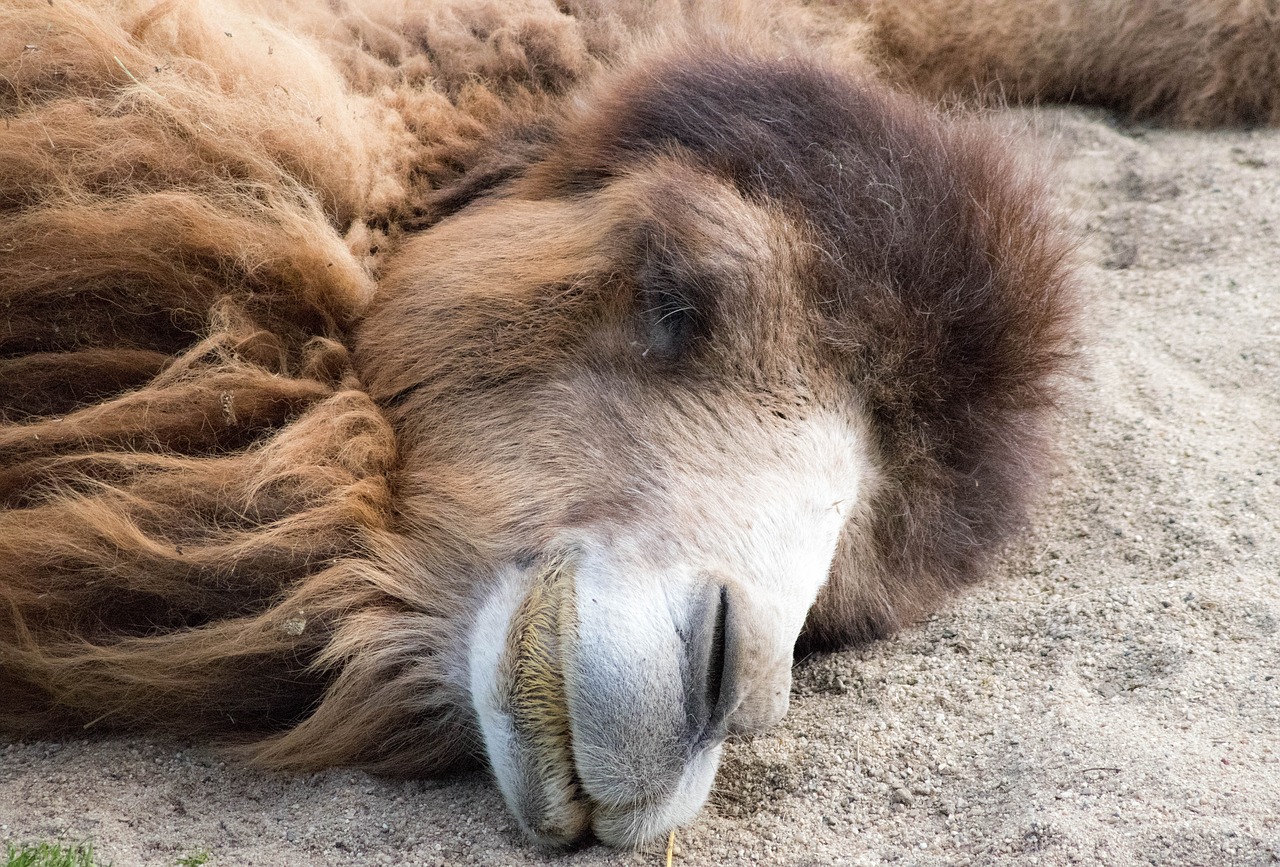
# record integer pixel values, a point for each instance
(552, 805)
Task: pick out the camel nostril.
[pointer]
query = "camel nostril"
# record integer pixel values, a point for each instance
(710, 690)
(716, 692)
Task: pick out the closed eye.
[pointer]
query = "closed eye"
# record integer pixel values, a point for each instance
(671, 322)
(669, 294)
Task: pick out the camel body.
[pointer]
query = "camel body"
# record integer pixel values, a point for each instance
(392, 385)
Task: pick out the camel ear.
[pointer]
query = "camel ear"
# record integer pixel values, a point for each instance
(502, 158)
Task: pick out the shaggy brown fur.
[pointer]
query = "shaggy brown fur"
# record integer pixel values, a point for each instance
(202, 526)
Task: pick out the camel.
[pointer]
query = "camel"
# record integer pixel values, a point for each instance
(401, 385)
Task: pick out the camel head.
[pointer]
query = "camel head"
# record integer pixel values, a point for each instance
(629, 372)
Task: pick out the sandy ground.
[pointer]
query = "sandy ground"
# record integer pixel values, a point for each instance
(1111, 696)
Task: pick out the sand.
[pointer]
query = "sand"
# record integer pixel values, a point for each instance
(1110, 696)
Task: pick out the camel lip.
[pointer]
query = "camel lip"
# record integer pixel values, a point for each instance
(537, 644)
(551, 804)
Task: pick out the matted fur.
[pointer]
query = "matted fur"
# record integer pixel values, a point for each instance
(200, 526)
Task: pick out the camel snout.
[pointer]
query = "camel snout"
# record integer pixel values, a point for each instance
(601, 712)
